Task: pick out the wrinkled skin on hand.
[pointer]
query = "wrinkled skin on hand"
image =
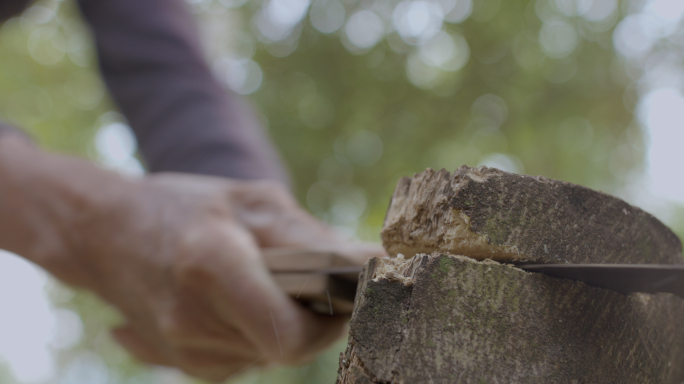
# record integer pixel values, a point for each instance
(181, 260)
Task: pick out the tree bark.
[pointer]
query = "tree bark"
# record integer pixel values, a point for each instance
(487, 213)
(458, 320)
(440, 318)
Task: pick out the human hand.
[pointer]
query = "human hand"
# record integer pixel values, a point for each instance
(180, 257)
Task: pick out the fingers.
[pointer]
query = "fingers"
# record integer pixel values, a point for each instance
(275, 220)
(232, 277)
(306, 334)
(288, 332)
(139, 347)
(194, 286)
(193, 326)
(195, 361)
(223, 310)
(213, 368)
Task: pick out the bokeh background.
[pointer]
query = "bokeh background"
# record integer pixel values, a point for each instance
(355, 94)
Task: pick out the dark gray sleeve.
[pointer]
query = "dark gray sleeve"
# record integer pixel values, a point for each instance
(9, 8)
(185, 121)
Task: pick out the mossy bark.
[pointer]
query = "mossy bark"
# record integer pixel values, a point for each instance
(457, 320)
(510, 217)
(439, 318)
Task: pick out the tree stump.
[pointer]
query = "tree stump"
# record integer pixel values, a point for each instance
(437, 317)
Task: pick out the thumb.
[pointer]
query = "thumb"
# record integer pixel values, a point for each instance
(291, 227)
(144, 351)
(248, 298)
(275, 219)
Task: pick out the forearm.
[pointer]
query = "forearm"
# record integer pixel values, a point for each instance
(47, 201)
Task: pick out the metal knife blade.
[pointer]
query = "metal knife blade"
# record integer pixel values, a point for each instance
(623, 278)
(337, 275)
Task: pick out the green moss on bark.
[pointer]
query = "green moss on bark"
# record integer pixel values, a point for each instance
(463, 321)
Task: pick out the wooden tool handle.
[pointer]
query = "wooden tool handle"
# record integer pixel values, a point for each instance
(299, 273)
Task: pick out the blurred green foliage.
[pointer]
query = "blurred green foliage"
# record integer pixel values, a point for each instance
(350, 121)
(48, 83)
(565, 130)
